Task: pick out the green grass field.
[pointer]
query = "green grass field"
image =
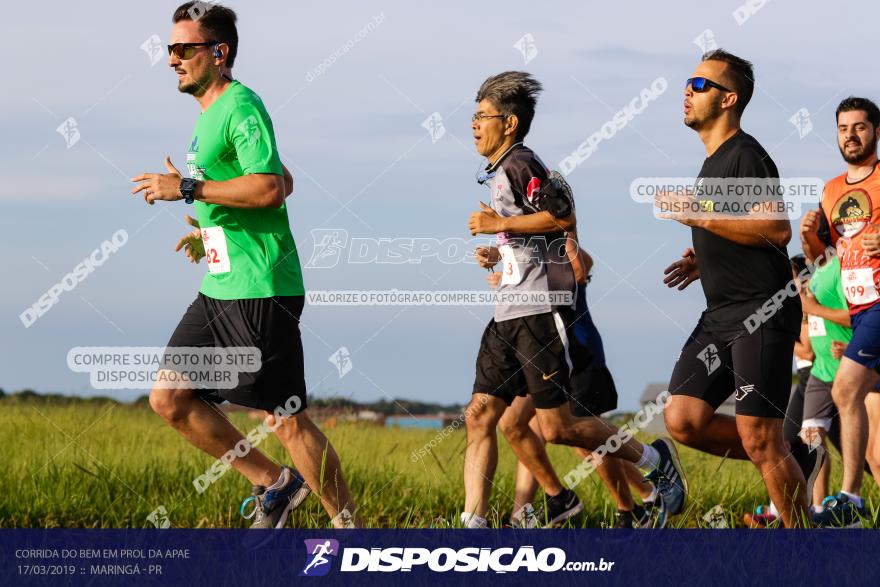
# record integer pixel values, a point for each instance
(109, 466)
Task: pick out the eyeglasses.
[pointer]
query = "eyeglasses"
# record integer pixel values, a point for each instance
(481, 117)
(187, 50)
(701, 84)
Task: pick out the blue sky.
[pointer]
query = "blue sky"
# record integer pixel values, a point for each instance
(355, 134)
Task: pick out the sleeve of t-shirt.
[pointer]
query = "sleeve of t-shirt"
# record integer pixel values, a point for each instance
(530, 182)
(525, 181)
(252, 137)
(757, 177)
(753, 163)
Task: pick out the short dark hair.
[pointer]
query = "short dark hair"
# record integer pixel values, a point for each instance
(217, 23)
(513, 92)
(863, 104)
(742, 76)
(798, 263)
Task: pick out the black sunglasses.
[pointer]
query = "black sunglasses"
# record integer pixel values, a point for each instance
(187, 50)
(701, 84)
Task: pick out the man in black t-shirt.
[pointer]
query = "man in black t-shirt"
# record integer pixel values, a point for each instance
(744, 340)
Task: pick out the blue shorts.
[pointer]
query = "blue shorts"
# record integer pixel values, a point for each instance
(864, 348)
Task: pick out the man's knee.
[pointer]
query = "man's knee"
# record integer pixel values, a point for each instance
(557, 432)
(172, 405)
(286, 426)
(762, 443)
(514, 429)
(483, 414)
(682, 426)
(846, 395)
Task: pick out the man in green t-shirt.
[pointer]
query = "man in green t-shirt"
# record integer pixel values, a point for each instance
(252, 296)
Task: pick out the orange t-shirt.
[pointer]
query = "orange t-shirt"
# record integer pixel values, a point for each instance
(851, 211)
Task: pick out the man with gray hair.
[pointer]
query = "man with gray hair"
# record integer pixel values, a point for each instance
(525, 348)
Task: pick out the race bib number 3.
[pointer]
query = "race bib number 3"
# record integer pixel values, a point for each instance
(214, 241)
(817, 325)
(510, 273)
(858, 286)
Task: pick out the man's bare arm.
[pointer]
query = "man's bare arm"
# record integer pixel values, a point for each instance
(755, 233)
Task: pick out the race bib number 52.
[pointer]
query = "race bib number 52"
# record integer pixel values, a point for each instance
(214, 241)
(858, 286)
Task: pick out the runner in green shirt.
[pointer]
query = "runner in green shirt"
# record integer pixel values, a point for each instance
(252, 295)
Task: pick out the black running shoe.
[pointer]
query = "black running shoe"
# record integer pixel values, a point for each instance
(559, 508)
(840, 512)
(636, 518)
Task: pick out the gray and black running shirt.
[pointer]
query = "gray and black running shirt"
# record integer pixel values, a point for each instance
(519, 184)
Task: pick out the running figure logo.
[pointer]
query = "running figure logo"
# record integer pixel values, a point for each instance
(709, 356)
(329, 245)
(319, 555)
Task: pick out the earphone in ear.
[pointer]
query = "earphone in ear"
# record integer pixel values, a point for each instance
(218, 54)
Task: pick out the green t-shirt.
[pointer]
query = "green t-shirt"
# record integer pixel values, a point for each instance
(250, 251)
(828, 289)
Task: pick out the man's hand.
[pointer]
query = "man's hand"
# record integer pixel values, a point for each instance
(493, 279)
(159, 186)
(683, 272)
(486, 221)
(192, 242)
(809, 223)
(808, 300)
(487, 257)
(677, 205)
(871, 240)
(837, 349)
(812, 436)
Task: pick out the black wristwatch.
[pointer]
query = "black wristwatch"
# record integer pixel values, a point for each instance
(188, 189)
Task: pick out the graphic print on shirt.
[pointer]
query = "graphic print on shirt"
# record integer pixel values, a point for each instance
(851, 213)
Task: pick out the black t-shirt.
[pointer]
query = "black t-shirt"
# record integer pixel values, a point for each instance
(739, 279)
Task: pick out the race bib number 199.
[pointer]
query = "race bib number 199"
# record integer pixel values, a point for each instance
(858, 286)
(214, 241)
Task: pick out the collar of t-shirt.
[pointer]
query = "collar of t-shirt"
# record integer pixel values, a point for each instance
(727, 145)
(493, 166)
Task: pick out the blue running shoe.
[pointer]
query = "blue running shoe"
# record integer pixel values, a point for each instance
(657, 510)
(273, 506)
(840, 512)
(669, 477)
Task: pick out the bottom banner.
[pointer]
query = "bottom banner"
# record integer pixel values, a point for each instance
(455, 557)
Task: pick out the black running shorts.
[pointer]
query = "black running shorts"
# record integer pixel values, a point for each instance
(269, 324)
(755, 367)
(524, 355)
